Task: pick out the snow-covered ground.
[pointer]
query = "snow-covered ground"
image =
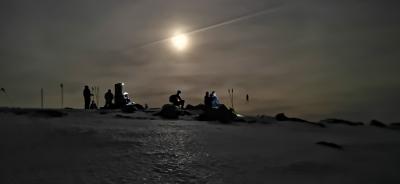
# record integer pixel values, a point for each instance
(112, 147)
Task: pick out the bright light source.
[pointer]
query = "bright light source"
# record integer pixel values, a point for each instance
(179, 41)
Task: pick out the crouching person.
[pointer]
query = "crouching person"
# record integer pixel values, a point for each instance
(177, 100)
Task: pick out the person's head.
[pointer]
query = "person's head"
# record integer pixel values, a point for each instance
(213, 93)
(109, 90)
(207, 93)
(178, 92)
(86, 87)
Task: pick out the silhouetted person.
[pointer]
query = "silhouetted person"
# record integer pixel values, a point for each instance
(177, 100)
(86, 95)
(119, 100)
(109, 98)
(247, 98)
(214, 100)
(127, 99)
(93, 105)
(207, 100)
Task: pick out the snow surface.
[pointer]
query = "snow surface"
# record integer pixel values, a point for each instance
(93, 147)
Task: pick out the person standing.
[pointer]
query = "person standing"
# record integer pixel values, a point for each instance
(87, 96)
(109, 98)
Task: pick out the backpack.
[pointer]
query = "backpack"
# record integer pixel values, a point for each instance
(172, 99)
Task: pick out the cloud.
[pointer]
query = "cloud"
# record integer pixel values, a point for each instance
(309, 58)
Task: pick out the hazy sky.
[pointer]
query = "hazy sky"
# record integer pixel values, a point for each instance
(313, 59)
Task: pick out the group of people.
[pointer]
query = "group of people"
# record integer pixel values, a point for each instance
(89, 102)
(108, 97)
(211, 100)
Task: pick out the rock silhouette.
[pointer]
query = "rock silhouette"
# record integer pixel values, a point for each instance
(222, 114)
(283, 117)
(341, 121)
(169, 111)
(377, 124)
(197, 107)
(129, 109)
(395, 125)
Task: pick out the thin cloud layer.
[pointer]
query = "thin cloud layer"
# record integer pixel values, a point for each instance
(309, 58)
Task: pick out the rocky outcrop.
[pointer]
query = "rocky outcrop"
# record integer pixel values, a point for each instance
(377, 124)
(222, 114)
(341, 121)
(197, 107)
(283, 117)
(169, 111)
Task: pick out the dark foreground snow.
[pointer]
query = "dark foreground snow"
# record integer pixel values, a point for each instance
(89, 147)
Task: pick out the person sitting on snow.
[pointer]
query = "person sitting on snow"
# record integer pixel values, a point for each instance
(207, 100)
(177, 100)
(93, 105)
(127, 99)
(214, 100)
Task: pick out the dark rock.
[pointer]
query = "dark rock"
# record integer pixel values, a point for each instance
(265, 119)
(129, 108)
(329, 144)
(197, 107)
(169, 111)
(377, 124)
(283, 117)
(139, 107)
(190, 107)
(222, 114)
(20, 112)
(225, 115)
(185, 113)
(341, 121)
(200, 107)
(245, 119)
(395, 125)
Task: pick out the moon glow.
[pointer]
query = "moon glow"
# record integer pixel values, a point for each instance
(180, 41)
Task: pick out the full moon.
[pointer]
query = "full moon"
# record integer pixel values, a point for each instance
(179, 42)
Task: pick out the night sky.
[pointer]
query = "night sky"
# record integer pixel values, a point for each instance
(312, 59)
